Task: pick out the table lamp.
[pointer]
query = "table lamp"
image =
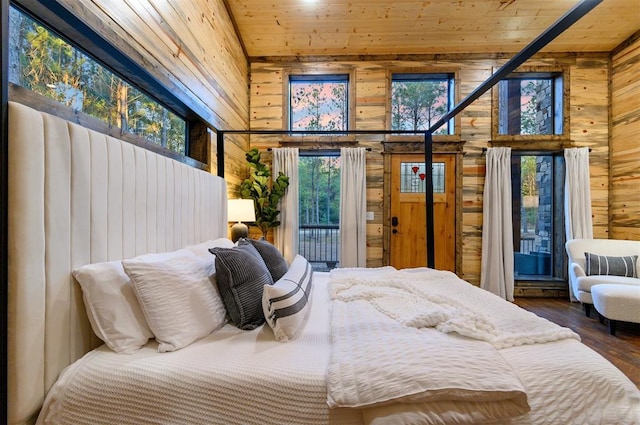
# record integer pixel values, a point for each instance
(240, 210)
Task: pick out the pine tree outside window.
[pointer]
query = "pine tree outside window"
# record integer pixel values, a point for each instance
(318, 102)
(419, 100)
(43, 62)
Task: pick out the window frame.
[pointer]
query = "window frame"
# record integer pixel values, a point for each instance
(455, 98)
(558, 257)
(72, 30)
(320, 153)
(533, 72)
(310, 74)
(413, 76)
(306, 75)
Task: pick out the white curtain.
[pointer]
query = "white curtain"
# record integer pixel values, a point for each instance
(286, 235)
(496, 274)
(577, 194)
(353, 208)
(577, 198)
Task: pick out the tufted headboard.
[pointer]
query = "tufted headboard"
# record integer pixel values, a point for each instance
(78, 197)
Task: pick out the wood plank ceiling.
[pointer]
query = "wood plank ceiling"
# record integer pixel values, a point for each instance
(272, 28)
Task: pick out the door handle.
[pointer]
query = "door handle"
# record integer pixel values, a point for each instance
(394, 221)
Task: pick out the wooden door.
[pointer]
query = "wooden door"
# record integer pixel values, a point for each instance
(408, 212)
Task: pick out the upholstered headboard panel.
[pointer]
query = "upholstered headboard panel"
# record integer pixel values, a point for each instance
(78, 197)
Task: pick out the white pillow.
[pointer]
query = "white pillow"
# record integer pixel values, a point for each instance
(286, 303)
(111, 303)
(202, 249)
(178, 298)
(112, 306)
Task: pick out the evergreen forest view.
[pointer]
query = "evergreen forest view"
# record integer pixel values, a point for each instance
(41, 61)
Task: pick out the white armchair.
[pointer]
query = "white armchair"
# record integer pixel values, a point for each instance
(580, 284)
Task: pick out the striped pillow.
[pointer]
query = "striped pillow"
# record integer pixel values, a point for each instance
(286, 303)
(240, 275)
(611, 266)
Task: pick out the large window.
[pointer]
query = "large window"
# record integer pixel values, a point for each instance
(319, 209)
(45, 63)
(531, 104)
(419, 100)
(538, 224)
(318, 102)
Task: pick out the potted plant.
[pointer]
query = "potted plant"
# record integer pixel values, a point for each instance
(265, 193)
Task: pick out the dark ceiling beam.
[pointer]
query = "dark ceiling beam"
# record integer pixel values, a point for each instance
(568, 19)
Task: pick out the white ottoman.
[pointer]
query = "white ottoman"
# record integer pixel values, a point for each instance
(617, 303)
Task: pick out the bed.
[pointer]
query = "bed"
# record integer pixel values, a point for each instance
(357, 346)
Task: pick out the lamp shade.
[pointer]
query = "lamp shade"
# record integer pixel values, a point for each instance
(241, 210)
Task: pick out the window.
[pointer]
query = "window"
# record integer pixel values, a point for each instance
(413, 177)
(538, 218)
(531, 104)
(43, 62)
(319, 209)
(318, 102)
(419, 100)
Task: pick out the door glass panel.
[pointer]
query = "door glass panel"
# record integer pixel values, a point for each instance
(413, 177)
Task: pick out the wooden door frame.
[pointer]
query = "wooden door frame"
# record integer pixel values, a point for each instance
(415, 147)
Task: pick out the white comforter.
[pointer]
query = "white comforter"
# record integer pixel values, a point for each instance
(231, 377)
(246, 377)
(423, 346)
(425, 297)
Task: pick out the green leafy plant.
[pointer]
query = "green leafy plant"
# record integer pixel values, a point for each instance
(265, 193)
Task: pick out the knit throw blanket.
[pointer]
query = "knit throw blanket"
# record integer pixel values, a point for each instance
(424, 297)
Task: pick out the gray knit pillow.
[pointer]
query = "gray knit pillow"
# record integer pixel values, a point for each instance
(612, 266)
(275, 262)
(241, 275)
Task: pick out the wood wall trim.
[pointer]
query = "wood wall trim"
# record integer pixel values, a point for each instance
(418, 147)
(288, 60)
(628, 42)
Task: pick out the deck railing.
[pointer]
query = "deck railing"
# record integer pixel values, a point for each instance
(319, 243)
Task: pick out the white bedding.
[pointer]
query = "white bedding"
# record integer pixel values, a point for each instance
(377, 359)
(396, 336)
(230, 377)
(423, 297)
(247, 377)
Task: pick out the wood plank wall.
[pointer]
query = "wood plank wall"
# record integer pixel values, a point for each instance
(192, 48)
(624, 214)
(589, 105)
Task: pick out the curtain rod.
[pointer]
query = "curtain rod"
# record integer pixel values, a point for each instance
(320, 149)
(555, 152)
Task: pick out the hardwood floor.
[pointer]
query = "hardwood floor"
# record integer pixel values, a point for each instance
(623, 349)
